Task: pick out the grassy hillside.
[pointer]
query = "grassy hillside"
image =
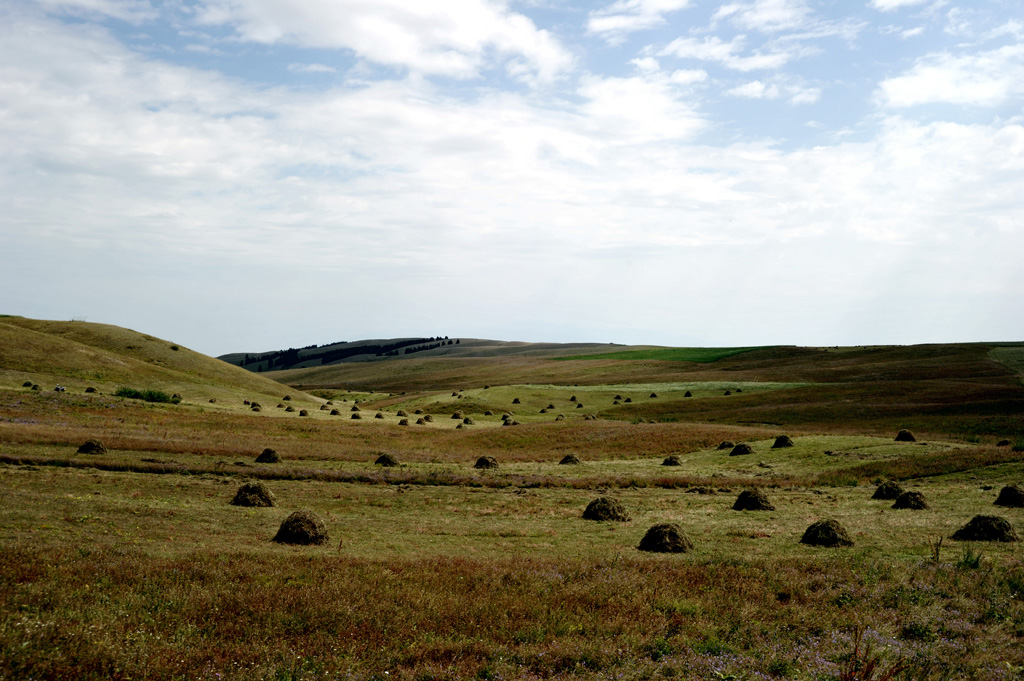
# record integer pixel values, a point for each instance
(80, 354)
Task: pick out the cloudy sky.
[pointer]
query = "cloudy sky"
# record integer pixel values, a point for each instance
(245, 175)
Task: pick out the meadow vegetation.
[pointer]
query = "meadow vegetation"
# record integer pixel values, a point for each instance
(134, 562)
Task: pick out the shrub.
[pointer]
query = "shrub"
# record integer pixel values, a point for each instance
(146, 395)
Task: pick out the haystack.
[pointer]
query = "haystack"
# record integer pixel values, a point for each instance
(403, 422)
(688, 394)
(570, 460)
(987, 528)
(653, 395)
(486, 462)
(302, 527)
(303, 412)
(905, 436)
(26, 384)
(268, 455)
(572, 399)
(488, 413)
(91, 389)
(579, 405)
(628, 400)
(256, 407)
(550, 406)
(665, 538)
(288, 409)
(324, 407)
(420, 421)
(888, 490)
(1001, 443)
(826, 533)
(335, 412)
(357, 416)
(726, 444)
(418, 411)
(286, 398)
(911, 500)
(782, 441)
(1011, 496)
(606, 508)
(753, 500)
(672, 460)
(401, 412)
(92, 447)
(457, 416)
(378, 415)
(741, 449)
(428, 418)
(468, 421)
(543, 411)
(728, 392)
(560, 417)
(253, 494)
(617, 397)
(386, 460)
(355, 408)
(516, 401)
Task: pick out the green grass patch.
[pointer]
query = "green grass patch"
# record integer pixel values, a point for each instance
(702, 355)
(148, 395)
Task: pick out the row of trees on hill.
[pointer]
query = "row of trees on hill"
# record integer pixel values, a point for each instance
(286, 359)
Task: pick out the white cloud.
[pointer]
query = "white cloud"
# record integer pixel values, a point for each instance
(755, 90)
(688, 76)
(457, 38)
(728, 54)
(617, 20)
(767, 16)
(311, 68)
(890, 5)
(983, 79)
(912, 32)
(131, 11)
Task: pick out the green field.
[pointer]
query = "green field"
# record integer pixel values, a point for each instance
(667, 354)
(132, 564)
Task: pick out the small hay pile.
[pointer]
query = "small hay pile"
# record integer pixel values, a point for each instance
(268, 455)
(468, 421)
(570, 460)
(91, 389)
(753, 500)
(888, 490)
(486, 462)
(688, 394)
(905, 436)
(1011, 496)
(826, 533)
(987, 528)
(335, 412)
(606, 508)
(782, 441)
(386, 460)
(303, 412)
(516, 401)
(401, 412)
(911, 500)
(357, 417)
(253, 494)
(420, 421)
(1001, 443)
(92, 447)
(672, 460)
(302, 527)
(378, 415)
(741, 449)
(726, 444)
(403, 422)
(665, 538)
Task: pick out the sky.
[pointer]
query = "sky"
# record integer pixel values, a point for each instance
(250, 175)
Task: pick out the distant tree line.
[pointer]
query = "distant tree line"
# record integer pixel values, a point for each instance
(284, 359)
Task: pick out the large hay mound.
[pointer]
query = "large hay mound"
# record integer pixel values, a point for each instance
(782, 441)
(253, 494)
(605, 508)
(268, 455)
(912, 500)
(1011, 496)
(741, 449)
(665, 538)
(1003, 443)
(386, 460)
(92, 447)
(905, 436)
(570, 460)
(888, 490)
(987, 528)
(826, 533)
(302, 527)
(726, 444)
(753, 500)
(486, 462)
(672, 460)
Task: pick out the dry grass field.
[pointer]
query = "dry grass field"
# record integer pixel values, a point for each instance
(132, 564)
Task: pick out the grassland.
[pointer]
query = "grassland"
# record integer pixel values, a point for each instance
(701, 355)
(132, 564)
